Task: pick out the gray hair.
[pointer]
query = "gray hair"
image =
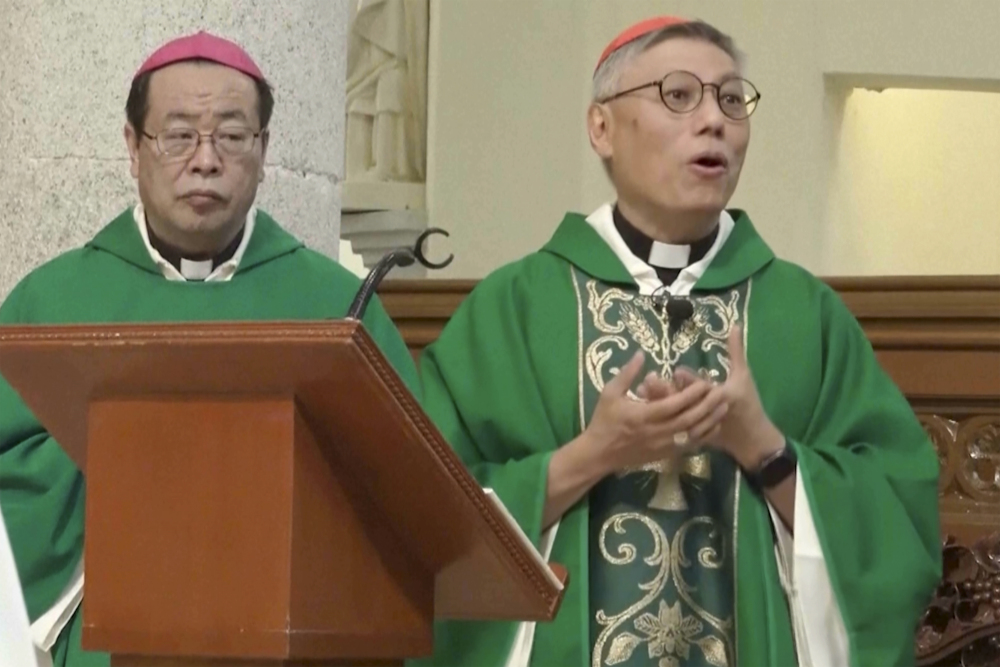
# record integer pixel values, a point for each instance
(608, 75)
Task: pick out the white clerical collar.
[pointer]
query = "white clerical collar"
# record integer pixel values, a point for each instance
(194, 270)
(669, 256)
(644, 275)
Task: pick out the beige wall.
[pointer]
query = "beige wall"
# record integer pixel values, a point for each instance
(916, 184)
(510, 83)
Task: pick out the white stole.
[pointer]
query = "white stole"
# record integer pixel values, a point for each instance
(16, 644)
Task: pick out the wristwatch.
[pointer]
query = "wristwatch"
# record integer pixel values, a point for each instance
(774, 469)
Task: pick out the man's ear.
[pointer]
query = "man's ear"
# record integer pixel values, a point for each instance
(600, 127)
(265, 137)
(132, 141)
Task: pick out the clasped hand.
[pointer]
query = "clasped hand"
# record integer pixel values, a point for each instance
(675, 417)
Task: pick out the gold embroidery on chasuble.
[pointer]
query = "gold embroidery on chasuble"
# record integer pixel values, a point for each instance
(662, 536)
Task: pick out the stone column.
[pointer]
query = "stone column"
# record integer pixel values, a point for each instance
(65, 70)
(386, 133)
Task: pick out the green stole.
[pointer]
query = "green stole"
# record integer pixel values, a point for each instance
(662, 537)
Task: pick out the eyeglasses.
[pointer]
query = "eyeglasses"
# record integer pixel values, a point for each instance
(182, 142)
(682, 92)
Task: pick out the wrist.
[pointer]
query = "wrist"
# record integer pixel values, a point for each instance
(760, 444)
(594, 457)
(583, 460)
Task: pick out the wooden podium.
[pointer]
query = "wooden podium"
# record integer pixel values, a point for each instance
(266, 493)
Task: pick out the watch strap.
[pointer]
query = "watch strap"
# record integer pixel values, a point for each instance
(774, 469)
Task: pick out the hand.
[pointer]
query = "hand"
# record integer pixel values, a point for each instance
(654, 387)
(707, 427)
(627, 433)
(746, 433)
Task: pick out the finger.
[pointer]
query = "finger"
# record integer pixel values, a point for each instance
(657, 388)
(687, 420)
(684, 377)
(735, 343)
(702, 430)
(643, 390)
(670, 407)
(620, 384)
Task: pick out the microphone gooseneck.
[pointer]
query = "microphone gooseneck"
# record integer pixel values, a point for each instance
(392, 259)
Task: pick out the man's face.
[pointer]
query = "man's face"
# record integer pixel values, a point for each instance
(198, 201)
(670, 162)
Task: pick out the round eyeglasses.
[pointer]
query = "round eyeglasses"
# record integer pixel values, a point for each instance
(682, 92)
(182, 142)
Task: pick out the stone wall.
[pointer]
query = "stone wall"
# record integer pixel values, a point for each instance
(65, 70)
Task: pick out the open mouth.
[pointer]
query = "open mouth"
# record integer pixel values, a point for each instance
(711, 162)
(710, 166)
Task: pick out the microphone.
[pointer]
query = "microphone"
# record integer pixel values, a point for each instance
(678, 309)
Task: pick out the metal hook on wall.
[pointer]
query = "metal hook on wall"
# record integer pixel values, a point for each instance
(418, 249)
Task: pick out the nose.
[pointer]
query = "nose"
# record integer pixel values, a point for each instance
(205, 160)
(709, 113)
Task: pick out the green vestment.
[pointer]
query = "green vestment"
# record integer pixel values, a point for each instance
(513, 377)
(113, 279)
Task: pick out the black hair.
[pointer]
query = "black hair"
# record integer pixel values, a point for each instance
(137, 105)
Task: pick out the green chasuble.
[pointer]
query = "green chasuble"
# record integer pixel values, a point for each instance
(113, 279)
(675, 564)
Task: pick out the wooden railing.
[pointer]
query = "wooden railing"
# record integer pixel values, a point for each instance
(939, 339)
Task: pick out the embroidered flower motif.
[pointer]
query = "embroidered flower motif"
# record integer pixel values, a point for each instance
(669, 631)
